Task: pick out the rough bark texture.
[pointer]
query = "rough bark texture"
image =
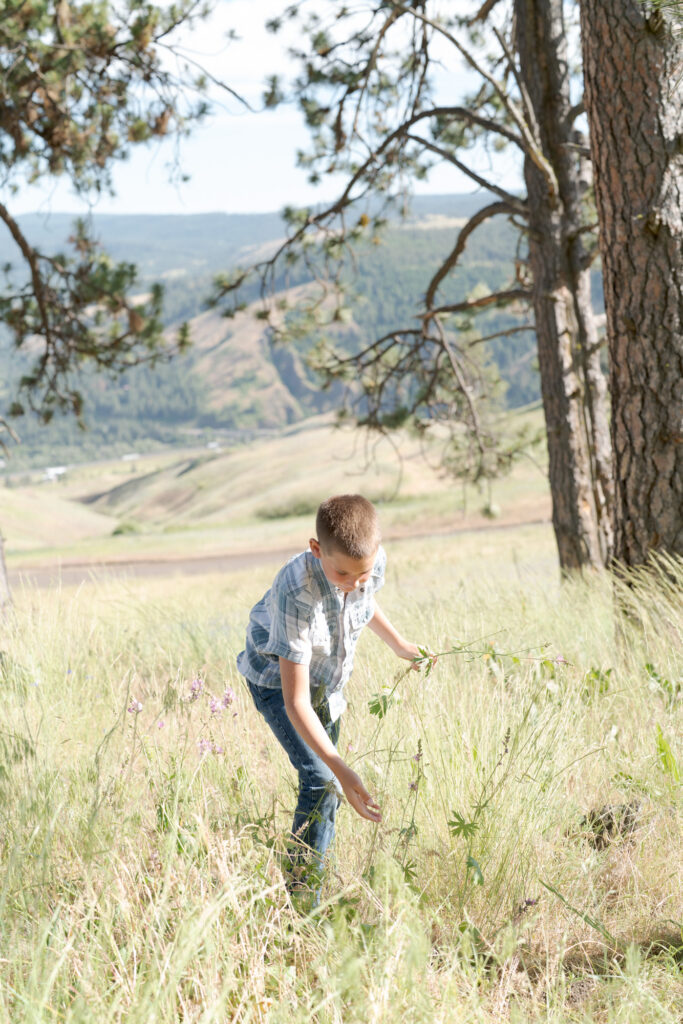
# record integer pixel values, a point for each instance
(572, 382)
(632, 60)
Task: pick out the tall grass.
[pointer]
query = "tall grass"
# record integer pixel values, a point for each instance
(527, 867)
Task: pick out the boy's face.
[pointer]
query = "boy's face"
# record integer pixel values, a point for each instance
(341, 571)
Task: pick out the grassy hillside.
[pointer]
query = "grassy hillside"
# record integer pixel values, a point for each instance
(527, 868)
(246, 498)
(234, 379)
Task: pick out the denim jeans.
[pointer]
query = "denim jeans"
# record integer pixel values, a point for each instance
(319, 793)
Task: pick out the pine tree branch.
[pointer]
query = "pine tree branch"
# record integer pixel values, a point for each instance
(506, 196)
(502, 334)
(31, 257)
(483, 12)
(532, 147)
(495, 299)
(493, 210)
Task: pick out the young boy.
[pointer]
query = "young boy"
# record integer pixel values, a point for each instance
(299, 654)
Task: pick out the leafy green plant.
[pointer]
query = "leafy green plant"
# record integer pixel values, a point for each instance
(667, 758)
(667, 690)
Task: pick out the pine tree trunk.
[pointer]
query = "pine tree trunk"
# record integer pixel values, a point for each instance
(632, 60)
(572, 382)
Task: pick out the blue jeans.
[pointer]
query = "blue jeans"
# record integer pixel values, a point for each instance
(319, 793)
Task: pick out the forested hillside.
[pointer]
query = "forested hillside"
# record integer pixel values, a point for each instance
(233, 378)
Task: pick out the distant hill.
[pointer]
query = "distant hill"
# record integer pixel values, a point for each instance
(233, 379)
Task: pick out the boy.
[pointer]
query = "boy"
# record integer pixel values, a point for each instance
(299, 655)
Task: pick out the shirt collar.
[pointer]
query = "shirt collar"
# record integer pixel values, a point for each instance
(319, 575)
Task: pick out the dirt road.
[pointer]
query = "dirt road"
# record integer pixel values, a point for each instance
(69, 574)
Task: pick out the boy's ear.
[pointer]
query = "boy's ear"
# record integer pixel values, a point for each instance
(315, 547)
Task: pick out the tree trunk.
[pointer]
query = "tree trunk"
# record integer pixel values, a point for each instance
(632, 60)
(572, 383)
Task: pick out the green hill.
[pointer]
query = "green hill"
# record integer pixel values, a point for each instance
(234, 379)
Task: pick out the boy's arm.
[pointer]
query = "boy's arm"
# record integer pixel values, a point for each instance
(297, 697)
(380, 625)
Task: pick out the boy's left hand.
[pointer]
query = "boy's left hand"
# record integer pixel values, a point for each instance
(411, 652)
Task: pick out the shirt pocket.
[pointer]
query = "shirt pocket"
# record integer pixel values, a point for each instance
(319, 634)
(359, 616)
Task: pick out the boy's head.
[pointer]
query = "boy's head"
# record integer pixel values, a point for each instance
(348, 524)
(348, 539)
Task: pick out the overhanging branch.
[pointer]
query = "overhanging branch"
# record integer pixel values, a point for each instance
(495, 299)
(493, 210)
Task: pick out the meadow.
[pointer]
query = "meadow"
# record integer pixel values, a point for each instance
(528, 866)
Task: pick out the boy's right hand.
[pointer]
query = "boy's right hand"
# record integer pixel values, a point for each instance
(357, 795)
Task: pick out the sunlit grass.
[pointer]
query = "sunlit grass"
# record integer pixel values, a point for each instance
(140, 877)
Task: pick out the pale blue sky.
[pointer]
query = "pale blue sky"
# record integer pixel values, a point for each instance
(239, 162)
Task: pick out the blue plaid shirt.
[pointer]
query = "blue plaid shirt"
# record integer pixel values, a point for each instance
(306, 619)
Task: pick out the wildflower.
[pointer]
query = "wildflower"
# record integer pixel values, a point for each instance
(161, 724)
(417, 757)
(218, 750)
(196, 688)
(216, 706)
(134, 707)
(228, 697)
(560, 660)
(413, 787)
(205, 747)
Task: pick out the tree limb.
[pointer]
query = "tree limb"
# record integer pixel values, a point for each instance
(493, 210)
(506, 196)
(483, 12)
(495, 299)
(31, 258)
(502, 334)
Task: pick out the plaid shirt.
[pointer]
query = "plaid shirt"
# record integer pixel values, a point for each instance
(306, 619)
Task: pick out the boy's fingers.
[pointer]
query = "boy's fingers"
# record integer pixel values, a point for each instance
(363, 804)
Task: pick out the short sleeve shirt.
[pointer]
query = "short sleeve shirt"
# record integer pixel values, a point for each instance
(306, 619)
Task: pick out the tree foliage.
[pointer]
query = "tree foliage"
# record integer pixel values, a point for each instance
(368, 94)
(81, 83)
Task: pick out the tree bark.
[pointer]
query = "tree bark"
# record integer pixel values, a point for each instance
(633, 57)
(573, 385)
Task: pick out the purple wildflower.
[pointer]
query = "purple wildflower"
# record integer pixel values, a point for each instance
(560, 660)
(161, 724)
(196, 688)
(417, 757)
(205, 747)
(134, 707)
(215, 706)
(228, 697)
(218, 750)
(413, 787)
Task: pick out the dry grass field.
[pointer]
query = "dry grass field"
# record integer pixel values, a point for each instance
(527, 867)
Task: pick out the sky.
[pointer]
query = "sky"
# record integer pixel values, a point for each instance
(238, 161)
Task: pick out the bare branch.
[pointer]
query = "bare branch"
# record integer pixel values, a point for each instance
(576, 111)
(462, 384)
(506, 196)
(495, 299)
(493, 210)
(483, 12)
(502, 334)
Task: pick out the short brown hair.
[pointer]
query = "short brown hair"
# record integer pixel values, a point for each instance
(348, 523)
